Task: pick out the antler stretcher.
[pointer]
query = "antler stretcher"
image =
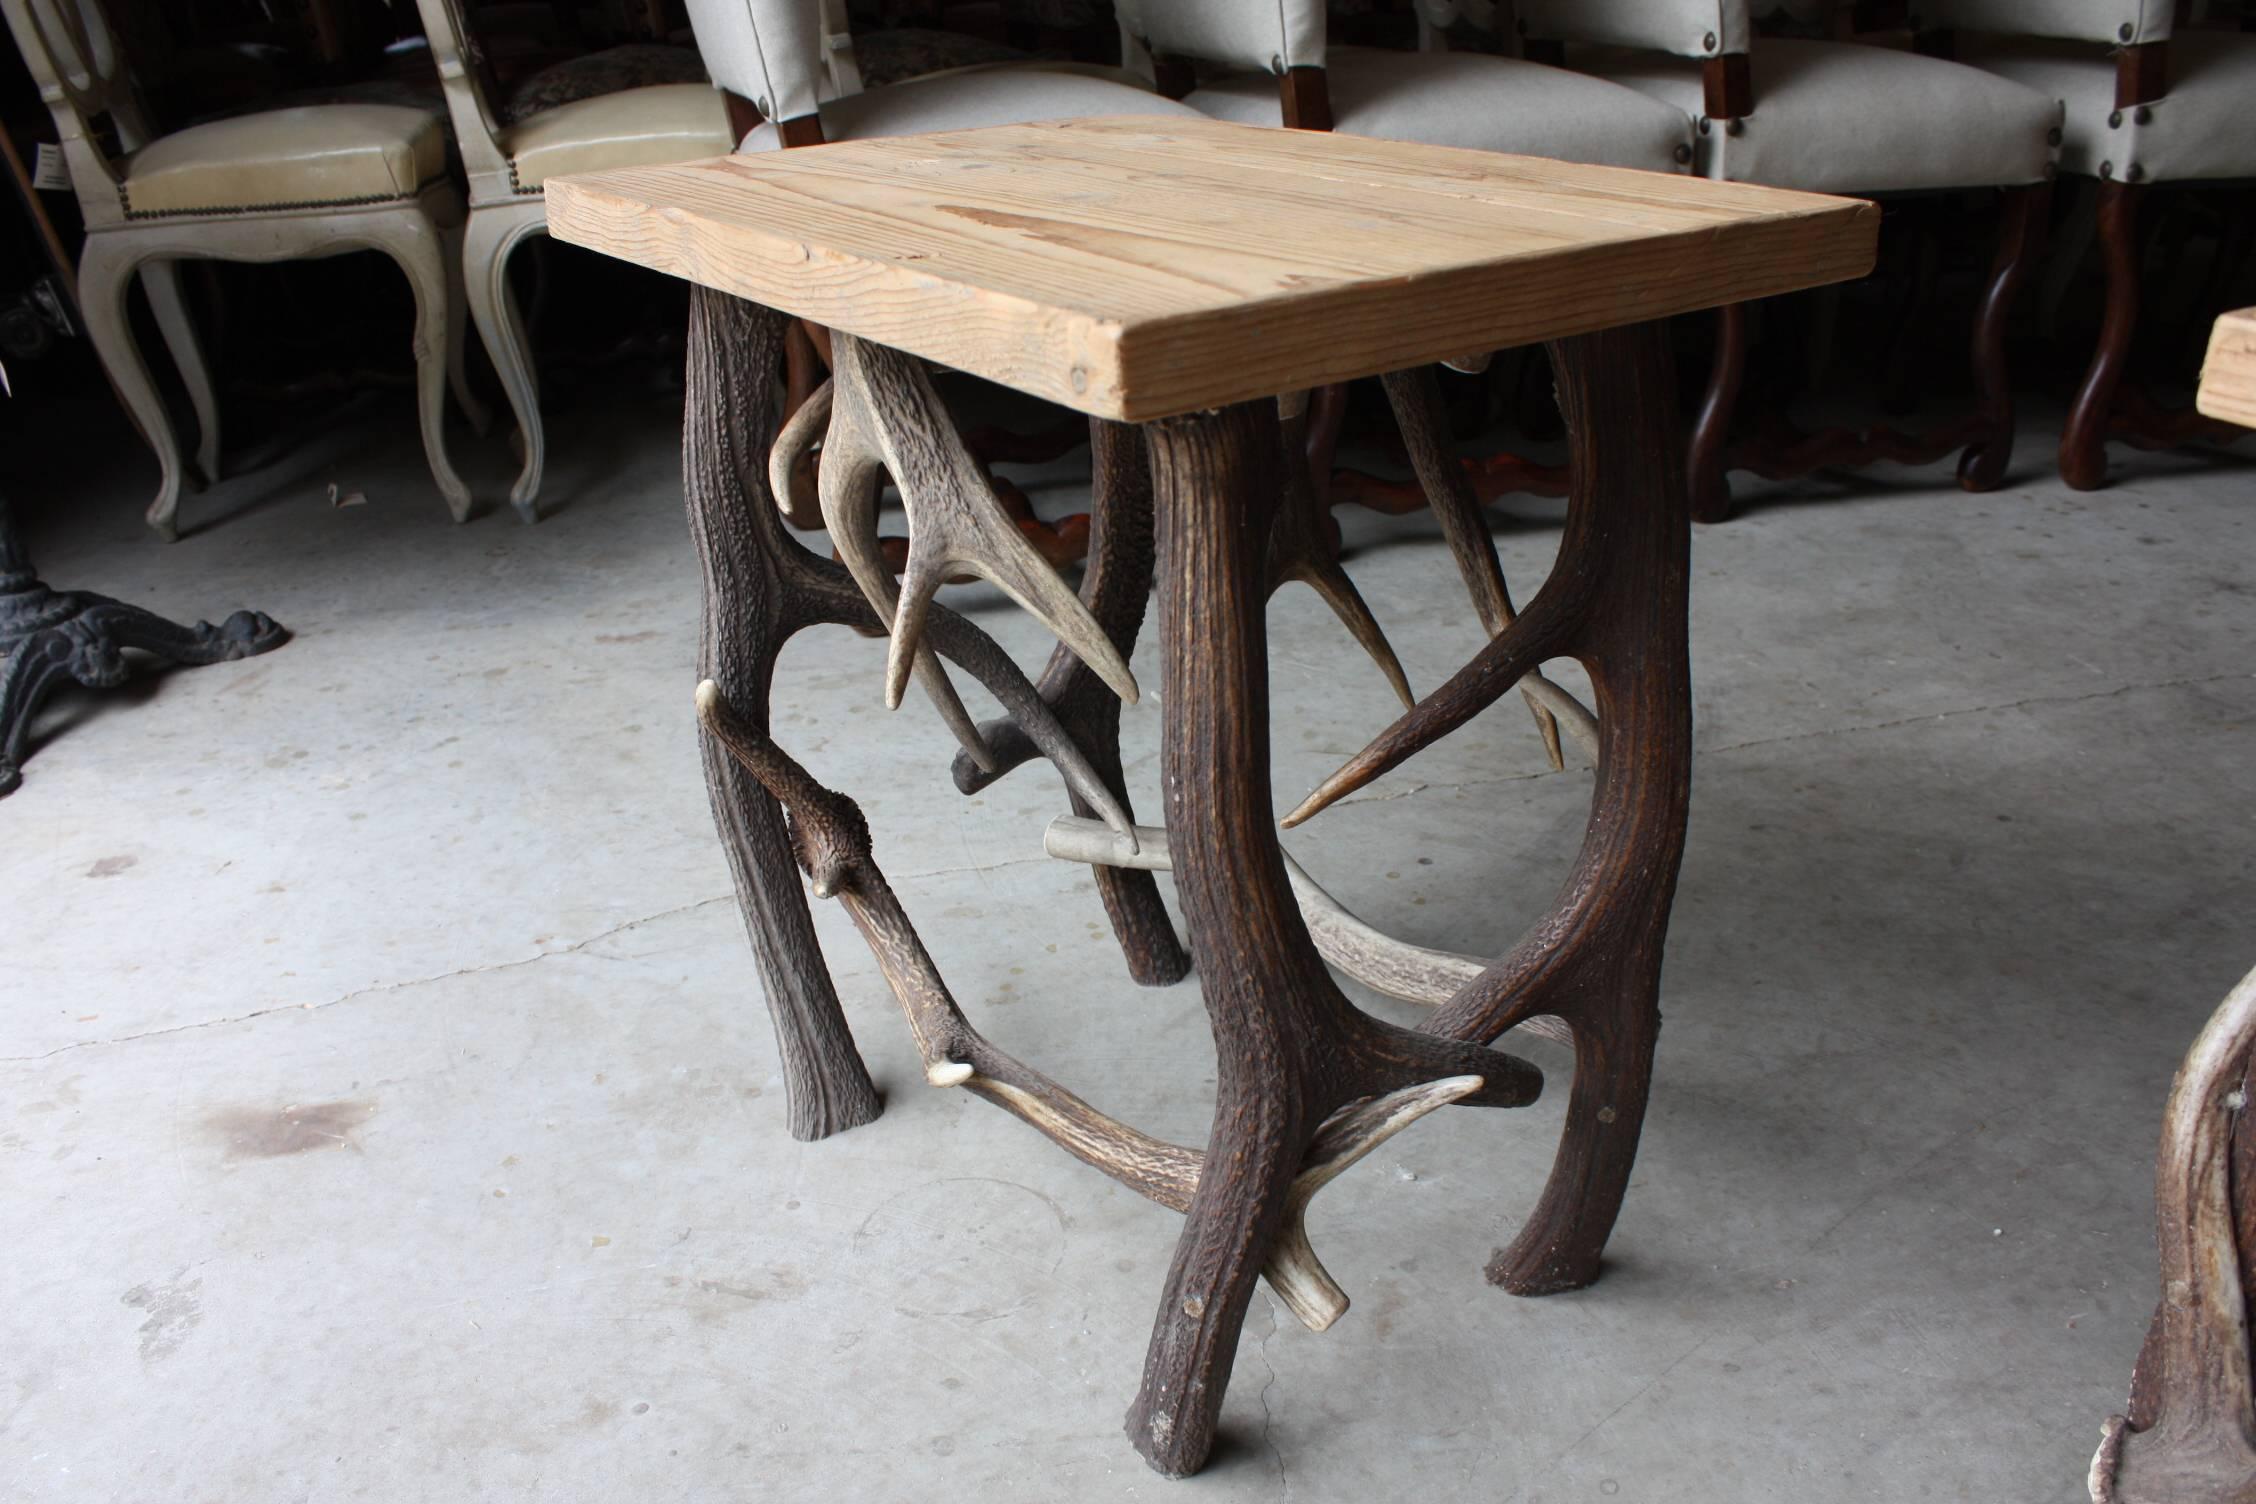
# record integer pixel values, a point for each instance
(1391, 967)
(831, 840)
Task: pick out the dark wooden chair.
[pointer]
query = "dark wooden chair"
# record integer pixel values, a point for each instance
(2145, 108)
(1834, 117)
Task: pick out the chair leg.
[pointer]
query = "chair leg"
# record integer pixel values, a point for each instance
(1711, 431)
(2020, 241)
(419, 247)
(161, 281)
(486, 246)
(2083, 445)
(458, 337)
(104, 273)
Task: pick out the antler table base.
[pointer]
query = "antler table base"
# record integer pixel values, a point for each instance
(1045, 257)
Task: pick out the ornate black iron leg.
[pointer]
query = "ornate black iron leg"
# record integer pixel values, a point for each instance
(48, 637)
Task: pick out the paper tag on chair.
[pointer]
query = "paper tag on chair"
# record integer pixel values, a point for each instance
(50, 171)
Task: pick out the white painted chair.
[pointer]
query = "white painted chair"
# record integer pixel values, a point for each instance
(508, 164)
(791, 62)
(282, 185)
(1829, 117)
(2145, 108)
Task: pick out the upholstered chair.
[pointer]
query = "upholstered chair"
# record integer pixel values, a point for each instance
(2145, 109)
(1831, 117)
(507, 164)
(789, 71)
(280, 185)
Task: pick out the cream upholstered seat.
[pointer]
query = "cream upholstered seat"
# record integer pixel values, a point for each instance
(1002, 94)
(637, 126)
(2201, 128)
(312, 154)
(1835, 117)
(294, 183)
(1832, 117)
(632, 128)
(2145, 105)
(1473, 100)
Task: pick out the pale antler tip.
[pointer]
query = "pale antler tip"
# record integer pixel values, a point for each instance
(708, 698)
(948, 1073)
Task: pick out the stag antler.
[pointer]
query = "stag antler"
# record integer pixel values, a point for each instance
(831, 840)
(1391, 967)
(1301, 548)
(2199, 1445)
(1416, 398)
(885, 412)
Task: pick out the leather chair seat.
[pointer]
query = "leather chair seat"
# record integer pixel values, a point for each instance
(2200, 129)
(631, 128)
(1845, 117)
(310, 154)
(1007, 94)
(1474, 100)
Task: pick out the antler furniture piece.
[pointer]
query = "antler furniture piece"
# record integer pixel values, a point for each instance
(1178, 275)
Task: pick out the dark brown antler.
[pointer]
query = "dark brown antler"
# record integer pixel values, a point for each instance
(2200, 1442)
(831, 841)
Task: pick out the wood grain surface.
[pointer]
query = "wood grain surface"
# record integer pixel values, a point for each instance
(1137, 269)
(2228, 376)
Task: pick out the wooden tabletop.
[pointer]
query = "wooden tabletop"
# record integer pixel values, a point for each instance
(2228, 376)
(1138, 267)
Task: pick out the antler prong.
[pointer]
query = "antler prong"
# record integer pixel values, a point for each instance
(955, 521)
(1300, 547)
(1293, 1270)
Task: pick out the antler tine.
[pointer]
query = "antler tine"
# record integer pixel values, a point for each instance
(832, 842)
(848, 485)
(793, 444)
(1300, 548)
(955, 522)
(1415, 395)
(1293, 1270)
(1503, 662)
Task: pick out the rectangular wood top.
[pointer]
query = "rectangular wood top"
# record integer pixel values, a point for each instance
(1137, 267)
(2228, 376)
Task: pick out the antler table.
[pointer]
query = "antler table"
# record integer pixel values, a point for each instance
(1181, 276)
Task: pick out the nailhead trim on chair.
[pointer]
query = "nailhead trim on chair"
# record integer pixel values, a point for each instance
(316, 203)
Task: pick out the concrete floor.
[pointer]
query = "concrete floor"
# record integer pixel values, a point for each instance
(389, 1111)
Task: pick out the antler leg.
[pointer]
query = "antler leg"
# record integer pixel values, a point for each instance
(734, 350)
(1289, 1047)
(1595, 961)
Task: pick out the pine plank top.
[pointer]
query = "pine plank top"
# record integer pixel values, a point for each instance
(2228, 375)
(1136, 267)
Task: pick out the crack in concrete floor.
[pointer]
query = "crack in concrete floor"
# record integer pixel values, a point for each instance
(1412, 791)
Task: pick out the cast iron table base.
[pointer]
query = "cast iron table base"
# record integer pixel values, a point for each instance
(51, 636)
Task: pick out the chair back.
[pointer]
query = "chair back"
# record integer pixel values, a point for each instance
(1687, 28)
(769, 52)
(74, 59)
(476, 132)
(2126, 23)
(1270, 35)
